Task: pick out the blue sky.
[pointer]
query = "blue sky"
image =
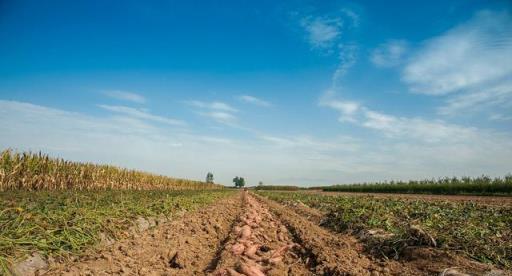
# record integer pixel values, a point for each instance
(286, 92)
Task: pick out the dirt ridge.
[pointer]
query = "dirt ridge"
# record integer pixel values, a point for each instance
(260, 245)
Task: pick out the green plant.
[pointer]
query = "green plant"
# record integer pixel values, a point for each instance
(482, 185)
(61, 223)
(481, 232)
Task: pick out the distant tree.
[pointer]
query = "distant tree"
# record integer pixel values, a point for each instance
(209, 178)
(239, 182)
(260, 183)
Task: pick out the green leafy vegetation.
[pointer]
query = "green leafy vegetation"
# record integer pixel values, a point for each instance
(481, 232)
(209, 178)
(59, 223)
(239, 182)
(36, 171)
(482, 185)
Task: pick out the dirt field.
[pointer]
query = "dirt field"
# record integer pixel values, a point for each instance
(485, 200)
(249, 235)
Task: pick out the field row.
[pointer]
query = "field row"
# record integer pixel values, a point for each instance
(390, 225)
(64, 223)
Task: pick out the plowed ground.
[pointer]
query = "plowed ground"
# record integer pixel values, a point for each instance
(249, 235)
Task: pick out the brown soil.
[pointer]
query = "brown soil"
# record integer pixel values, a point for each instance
(253, 236)
(186, 246)
(484, 200)
(260, 245)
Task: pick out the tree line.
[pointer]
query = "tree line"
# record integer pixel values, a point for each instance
(483, 185)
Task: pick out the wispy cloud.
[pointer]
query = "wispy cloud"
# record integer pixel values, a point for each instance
(272, 158)
(417, 129)
(389, 54)
(215, 105)
(325, 31)
(353, 16)
(126, 96)
(500, 117)
(390, 126)
(419, 144)
(322, 32)
(218, 111)
(254, 100)
(470, 65)
(470, 55)
(221, 117)
(347, 109)
(347, 59)
(491, 98)
(121, 140)
(141, 114)
(313, 144)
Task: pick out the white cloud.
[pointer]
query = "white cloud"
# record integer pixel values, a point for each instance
(215, 105)
(325, 31)
(469, 56)
(409, 148)
(254, 100)
(218, 111)
(221, 117)
(470, 65)
(126, 141)
(347, 59)
(487, 98)
(389, 54)
(322, 32)
(272, 158)
(347, 109)
(417, 129)
(313, 144)
(141, 114)
(126, 96)
(353, 16)
(500, 117)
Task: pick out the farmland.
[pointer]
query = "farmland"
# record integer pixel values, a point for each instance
(241, 233)
(59, 208)
(62, 224)
(224, 232)
(478, 231)
(77, 218)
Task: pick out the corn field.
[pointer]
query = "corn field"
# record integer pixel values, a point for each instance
(37, 171)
